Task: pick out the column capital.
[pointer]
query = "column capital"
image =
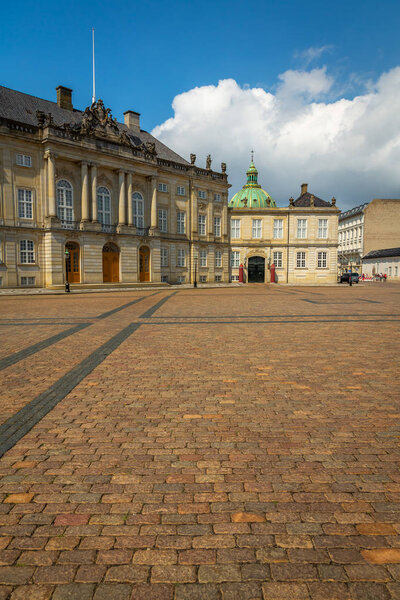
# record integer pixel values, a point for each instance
(84, 163)
(93, 164)
(50, 154)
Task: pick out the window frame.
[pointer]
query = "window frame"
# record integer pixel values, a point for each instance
(181, 254)
(202, 224)
(137, 218)
(27, 254)
(63, 207)
(162, 187)
(202, 194)
(217, 197)
(277, 229)
(235, 227)
(25, 204)
(203, 258)
(217, 226)
(275, 255)
(180, 190)
(218, 259)
(163, 220)
(103, 215)
(256, 228)
(322, 262)
(164, 256)
(323, 229)
(301, 258)
(181, 222)
(24, 162)
(235, 254)
(301, 229)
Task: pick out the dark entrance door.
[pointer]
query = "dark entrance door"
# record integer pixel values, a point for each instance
(256, 268)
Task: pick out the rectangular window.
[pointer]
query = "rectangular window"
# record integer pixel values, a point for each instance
(164, 257)
(217, 197)
(26, 252)
(202, 194)
(27, 281)
(180, 190)
(235, 258)
(390, 271)
(217, 226)
(256, 231)
(180, 222)
(302, 228)
(23, 160)
(164, 278)
(234, 277)
(235, 228)
(278, 259)
(181, 257)
(162, 187)
(203, 258)
(396, 271)
(218, 259)
(323, 228)
(218, 278)
(202, 224)
(180, 279)
(322, 262)
(138, 210)
(162, 220)
(25, 204)
(301, 260)
(203, 278)
(278, 229)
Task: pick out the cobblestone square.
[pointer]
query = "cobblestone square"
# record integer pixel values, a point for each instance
(226, 443)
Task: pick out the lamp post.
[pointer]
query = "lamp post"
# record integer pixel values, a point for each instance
(66, 271)
(195, 271)
(351, 272)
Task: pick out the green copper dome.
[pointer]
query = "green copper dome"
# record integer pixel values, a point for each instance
(252, 195)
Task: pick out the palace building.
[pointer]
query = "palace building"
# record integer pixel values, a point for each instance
(101, 201)
(300, 240)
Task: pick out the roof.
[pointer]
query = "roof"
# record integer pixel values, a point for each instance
(20, 107)
(252, 195)
(305, 200)
(353, 211)
(387, 252)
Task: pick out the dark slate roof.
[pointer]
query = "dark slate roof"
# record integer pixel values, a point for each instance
(20, 107)
(305, 200)
(356, 210)
(387, 252)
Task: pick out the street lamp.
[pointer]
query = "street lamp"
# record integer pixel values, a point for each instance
(195, 271)
(66, 271)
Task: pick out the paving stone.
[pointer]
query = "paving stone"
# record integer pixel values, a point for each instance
(31, 592)
(218, 573)
(173, 574)
(197, 591)
(284, 591)
(116, 591)
(241, 591)
(382, 556)
(74, 591)
(329, 591)
(144, 591)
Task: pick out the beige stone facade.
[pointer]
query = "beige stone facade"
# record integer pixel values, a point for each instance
(368, 227)
(299, 240)
(124, 206)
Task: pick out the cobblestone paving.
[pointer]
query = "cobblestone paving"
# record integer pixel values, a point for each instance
(210, 444)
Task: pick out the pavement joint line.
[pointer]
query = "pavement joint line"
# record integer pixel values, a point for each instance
(29, 324)
(119, 308)
(149, 313)
(12, 430)
(15, 357)
(278, 316)
(267, 322)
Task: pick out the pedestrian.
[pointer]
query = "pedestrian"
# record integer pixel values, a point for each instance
(384, 277)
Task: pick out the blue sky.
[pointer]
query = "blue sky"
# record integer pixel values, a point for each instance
(150, 52)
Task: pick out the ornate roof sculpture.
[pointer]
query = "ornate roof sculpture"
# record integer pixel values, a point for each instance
(252, 195)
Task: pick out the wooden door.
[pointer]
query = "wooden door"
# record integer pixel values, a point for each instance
(73, 263)
(110, 263)
(144, 264)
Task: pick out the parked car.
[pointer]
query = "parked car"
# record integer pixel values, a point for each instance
(344, 278)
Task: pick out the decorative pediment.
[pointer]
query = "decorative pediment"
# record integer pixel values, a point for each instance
(103, 180)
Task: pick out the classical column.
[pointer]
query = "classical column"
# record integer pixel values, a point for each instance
(94, 193)
(51, 180)
(130, 192)
(85, 191)
(121, 212)
(153, 203)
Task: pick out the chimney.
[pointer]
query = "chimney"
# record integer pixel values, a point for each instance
(64, 97)
(304, 188)
(132, 120)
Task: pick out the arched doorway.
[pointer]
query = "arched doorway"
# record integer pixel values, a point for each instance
(110, 263)
(256, 269)
(73, 262)
(144, 264)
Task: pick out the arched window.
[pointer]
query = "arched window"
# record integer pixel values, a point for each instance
(137, 209)
(104, 205)
(65, 201)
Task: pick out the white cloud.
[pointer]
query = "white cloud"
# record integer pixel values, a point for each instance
(312, 53)
(346, 148)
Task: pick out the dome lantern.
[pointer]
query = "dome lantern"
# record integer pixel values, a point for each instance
(252, 195)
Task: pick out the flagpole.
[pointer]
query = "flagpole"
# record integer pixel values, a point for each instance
(94, 78)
